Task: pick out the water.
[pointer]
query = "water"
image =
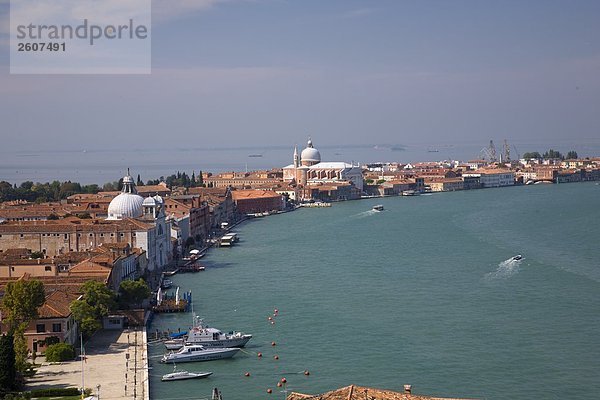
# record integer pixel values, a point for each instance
(421, 293)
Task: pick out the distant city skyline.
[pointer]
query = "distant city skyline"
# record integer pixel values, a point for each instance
(237, 73)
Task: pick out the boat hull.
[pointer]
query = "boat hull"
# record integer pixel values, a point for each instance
(208, 355)
(180, 377)
(234, 342)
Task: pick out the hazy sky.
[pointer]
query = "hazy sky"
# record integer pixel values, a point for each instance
(271, 72)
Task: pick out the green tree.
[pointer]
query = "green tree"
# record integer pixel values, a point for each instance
(572, 155)
(97, 301)
(21, 301)
(532, 155)
(60, 352)
(134, 292)
(7, 364)
(553, 154)
(200, 178)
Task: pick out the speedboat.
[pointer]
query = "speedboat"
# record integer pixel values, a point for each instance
(209, 337)
(517, 258)
(378, 207)
(181, 375)
(196, 352)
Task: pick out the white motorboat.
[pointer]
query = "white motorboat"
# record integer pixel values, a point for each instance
(518, 257)
(378, 207)
(196, 352)
(181, 375)
(166, 284)
(209, 337)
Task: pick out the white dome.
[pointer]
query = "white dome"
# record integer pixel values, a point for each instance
(128, 204)
(149, 201)
(125, 205)
(310, 154)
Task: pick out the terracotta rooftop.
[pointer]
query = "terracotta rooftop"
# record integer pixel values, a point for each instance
(354, 392)
(253, 194)
(57, 305)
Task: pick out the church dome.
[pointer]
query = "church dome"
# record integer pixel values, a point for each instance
(128, 204)
(310, 155)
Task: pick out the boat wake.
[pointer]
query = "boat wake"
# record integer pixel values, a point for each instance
(365, 214)
(505, 270)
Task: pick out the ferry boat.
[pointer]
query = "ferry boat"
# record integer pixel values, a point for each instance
(196, 352)
(181, 375)
(209, 337)
(378, 207)
(229, 239)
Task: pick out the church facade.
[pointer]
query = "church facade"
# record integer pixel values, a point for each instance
(308, 170)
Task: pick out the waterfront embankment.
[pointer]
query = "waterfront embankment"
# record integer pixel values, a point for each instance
(115, 367)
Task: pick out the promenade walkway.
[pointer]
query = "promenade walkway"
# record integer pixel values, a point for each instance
(116, 361)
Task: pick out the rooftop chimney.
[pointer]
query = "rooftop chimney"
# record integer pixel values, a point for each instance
(407, 389)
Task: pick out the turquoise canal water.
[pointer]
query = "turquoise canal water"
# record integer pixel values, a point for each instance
(420, 293)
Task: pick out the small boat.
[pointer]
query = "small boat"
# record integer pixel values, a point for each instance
(166, 284)
(196, 352)
(410, 193)
(171, 273)
(181, 375)
(209, 337)
(378, 207)
(518, 257)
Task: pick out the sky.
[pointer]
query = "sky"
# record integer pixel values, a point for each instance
(271, 72)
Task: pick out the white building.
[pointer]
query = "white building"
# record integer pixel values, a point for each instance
(494, 177)
(155, 240)
(308, 169)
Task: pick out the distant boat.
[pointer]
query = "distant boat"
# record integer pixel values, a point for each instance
(166, 284)
(378, 207)
(518, 257)
(433, 151)
(255, 155)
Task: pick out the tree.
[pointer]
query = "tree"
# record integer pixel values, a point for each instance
(21, 301)
(7, 364)
(134, 292)
(97, 301)
(553, 154)
(139, 181)
(200, 178)
(572, 155)
(532, 155)
(60, 352)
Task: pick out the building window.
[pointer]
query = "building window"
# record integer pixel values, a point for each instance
(56, 327)
(21, 235)
(40, 328)
(66, 236)
(47, 268)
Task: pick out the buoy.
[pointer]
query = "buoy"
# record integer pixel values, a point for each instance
(306, 373)
(283, 380)
(269, 391)
(279, 384)
(247, 374)
(272, 322)
(259, 355)
(270, 318)
(276, 357)
(273, 344)
(276, 311)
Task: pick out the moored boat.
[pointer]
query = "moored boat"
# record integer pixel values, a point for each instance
(182, 375)
(196, 352)
(209, 337)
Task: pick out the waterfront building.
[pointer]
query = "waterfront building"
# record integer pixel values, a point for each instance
(493, 177)
(445, 184)
(257, 201)
(221, 207)
(308, 170)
